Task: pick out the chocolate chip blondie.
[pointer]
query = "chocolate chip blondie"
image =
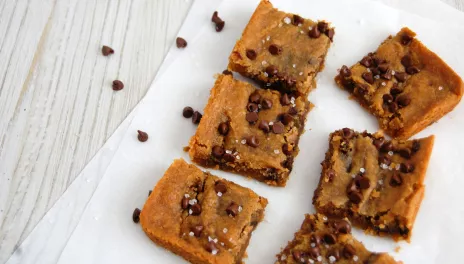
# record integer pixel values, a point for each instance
(249, 131)
(282, 51)
(202, 218)
(376, 183)
(404, 84)
(324, 240)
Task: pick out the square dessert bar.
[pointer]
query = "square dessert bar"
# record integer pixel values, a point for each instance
(249, 131)
(404, 84)
(376, 183)
(280, 50)
(324, 240)
(200, 217)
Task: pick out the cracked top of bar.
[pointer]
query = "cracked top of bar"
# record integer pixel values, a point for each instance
(282, 51)
(376, 183)
(249, 131)
(404, 84)
(203, 218)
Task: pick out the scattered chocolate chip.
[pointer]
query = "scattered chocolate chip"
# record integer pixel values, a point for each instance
(387, 98)
(403, 100)
(362, 182)
(254, 97)
(264, 126)
(396, 179)
(251, 54)
(284, 100)
(314, 252)
(378, 61)
(187, 112)
(181, 43)
(227, 72)
(221, 187)
(211, 247)
(229, 157)
(223, 128)
(342, 226)
(378, 142)
(406, 167)
(415, 146)
(330, 239)
(220, 26)
(149, 192)
(387, 146)
(383, 67)
(215, 18)
(405, 153)
(196, 117)
(314, 32)
(218, 152)
(107, 51)
(292, 111)
(349, 251)
(288, 163)
(385, 160)
(197, 230)
(322, 26)
(345, 71)
(387, 75)
(347, 133)
(185, 203)
(330, 33)
(366, 61)
(406, 61)
(335, 252)
(412, 70)
(252, 141)
(406, 39)
(251, 117)
(275, 49)
(196, 209)
(368, 77)
(252, 107)
(297, 255)
(232, 209)
(136, 215)
(266, 103)
(400, 76)
(272, 70)
(393, 107)
(395, 90)
(278, 128)
(286, 118)
(142, 136)
(315, 239)
(287, 149)
(297, 20)
(117, 85)
(355, 197)
(375, 71)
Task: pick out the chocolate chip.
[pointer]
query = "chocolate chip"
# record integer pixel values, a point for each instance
(107, 51)
(412, 70)
(252, 107)
(297, 255)
(229, 157)
(345, 71)
(211, 247)
(196, 117)
(347, 133)
(218, 151)
(405, 153)
(387, 98)
(395, 90)
(349, 251)
(400, 76)
(275, 49)
(223, 128)
(252, 141)
(288, 163)
(362, 182)
(187, 112)
(387, 75)
(393, 107)
(335, 252)
(251, 117)
(251, 54)
(355, 197)
(215, 18)
(322, 26)
(342, 226)
(330, 239)
(406, 39)
(330, 33)
(136, 215)
(375, 71)
(292, 111)
(220, 187)
(406, 167)
(378, 61)
(385, 160)
(117, 85)
(287, 149)
(227, 72)
(368, 77)
(196, 209)
(181, 43)
(185, 203)
(142, 136)
(378, 142)
(315, 239)
(406, 60)
(149, 192)
(271, 70)
(314, 252)
(366, 61)
(396, 179)
(415, 146)
(232, 209)
(254, 97)
(286, 118)
(314, 32)
(266, 103)
(278, 128)
(383, 67)
(297, 20)
(220, 26)
(284, 100)
(403, 100)
(197, 230)
(264, 126)
(387, 146)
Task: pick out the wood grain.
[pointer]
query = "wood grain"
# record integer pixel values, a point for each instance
(57, 107)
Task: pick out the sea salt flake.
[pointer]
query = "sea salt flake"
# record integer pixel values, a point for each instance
(263, 40)
(397, 167)
(265, 74)
(187, 195)
(215, 240)
(319, 258)
(301, 73)
(225, 230)
(229, 151)
(390, 153)
(313, 244)
(193, 201)
(301, 32)
(324, 218)
(190, 211)
(380, 182)
(377, 77)
(302, 260)
(355, 258)
(214, 252)
(283, 257)
(280, 24)
(271, 123)
(209, 239)
(268, 38)
(287, 20)
(263, 62)
(222, 243)
(191, 234)
(240, 208)
(383, 84)
(243, 141)
(332, 259)
(440, 88)
(362, 170)
(384, 166)
(276, 151)
(219, 194)
(294, 65)
(238, 157)
(393, 72)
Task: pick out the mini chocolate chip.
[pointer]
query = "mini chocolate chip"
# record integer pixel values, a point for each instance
(220, 26)
(322, 26)
(313, 252)
(278, 128)
(393, 107)
(378, 61)
(272, 70)
(375, 71)
(229, 157)
(196, 117)
(406, 167)
(142, 136)
(215, 18)
(252, 107)
(387, 146)
(107, 51)
(181, 43)
(345, 71)
(196, 209)
(403, 100)
(297, 20)
(136, 215)
(355, 196)
(297, 255)
(335, 252)
(362, 182)
(232, 209)
(314, 32)
(218, 151)
(197, 230)
(264, 126)
(184, 203)
(396, 179)
(284, 100)
(383, 67)
(347, 133)
(211, 247)
(251, 117)
(287, 149)
(400, 76)
(366, 61)
(117, 85)
(286, 118)
(330, 239)
(368, 77)
(315, 239)
(378, 142)
(342, 226)
(406, 39)
(387, 75)
(227, 72)
(415, 146)
(292, 111)
(221, 187)
(275, 49)
(252, 141)
(187, 112)
(385, 160)
(405, 153)
(395, 90)
(251, 54)
(254, 97)
(406, 60)
(266, 103)
(348, 251)
(412, 70)
(223, 128)
(387, 98)
(330, 33)
(288, 163)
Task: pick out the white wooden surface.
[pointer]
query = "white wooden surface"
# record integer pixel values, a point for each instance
(57, 107)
